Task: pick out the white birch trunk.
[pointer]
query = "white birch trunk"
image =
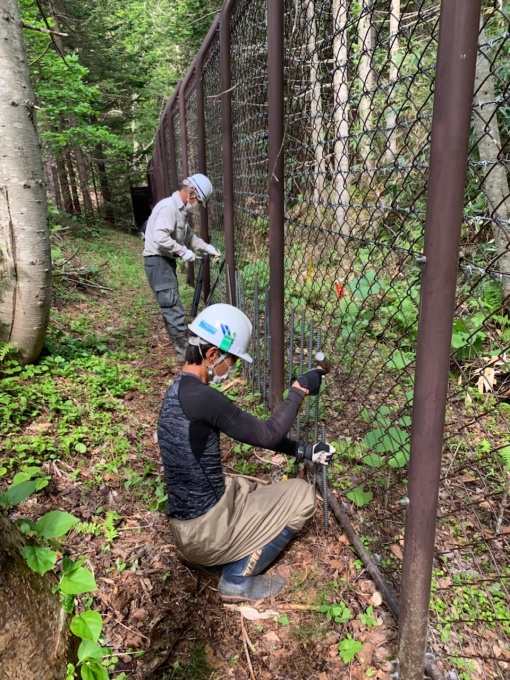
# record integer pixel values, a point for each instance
(391, 118)
(495, 182)
(25, 263)
(366, 74)
(316, 103)
(341, 115)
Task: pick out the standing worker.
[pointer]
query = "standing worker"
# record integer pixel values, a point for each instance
(217, 519)
(168, 237)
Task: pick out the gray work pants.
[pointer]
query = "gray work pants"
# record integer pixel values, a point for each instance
(163, 281)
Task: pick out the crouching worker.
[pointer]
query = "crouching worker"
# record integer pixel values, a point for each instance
(217, 519)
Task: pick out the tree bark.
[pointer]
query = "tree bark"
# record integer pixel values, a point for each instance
(366, 74)
(391, 117)
(317, 119)
(64, 184)
(35, 640)
(105, 187)
(25, 262)
(495, 181)
(56, 185)
(341, 115)
(72, 179)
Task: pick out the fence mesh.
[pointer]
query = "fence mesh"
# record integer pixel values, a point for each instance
(359, 86)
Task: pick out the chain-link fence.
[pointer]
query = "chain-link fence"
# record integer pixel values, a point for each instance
(359, 84)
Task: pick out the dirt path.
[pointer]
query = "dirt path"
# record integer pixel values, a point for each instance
(161, 619)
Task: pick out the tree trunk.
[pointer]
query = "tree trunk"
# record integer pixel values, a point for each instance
(72, 178)
(35, 641)
(341, 115)
(25, 262)
(84, 178)
(316, 103)
(78, 153)
(56, 185)
(64, 184)
(391, 117)
(366, 74)
(105, 187)
(495, 181)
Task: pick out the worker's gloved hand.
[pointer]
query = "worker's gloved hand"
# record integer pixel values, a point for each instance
(214, 252)
(320, 453)
(186, 254)
(311, 380)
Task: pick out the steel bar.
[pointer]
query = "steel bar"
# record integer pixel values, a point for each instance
(309, 361)
(325, 496)
(275, 13)
(291, 346)
(380, 582)
(455, 73)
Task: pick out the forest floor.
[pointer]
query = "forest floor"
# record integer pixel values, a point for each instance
(162, 620)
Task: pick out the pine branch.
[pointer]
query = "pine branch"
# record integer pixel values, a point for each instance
(46, 31)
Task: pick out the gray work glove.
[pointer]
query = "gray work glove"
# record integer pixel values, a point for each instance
(186, 254)
(214, 253)
(317, 453)
(311, 380)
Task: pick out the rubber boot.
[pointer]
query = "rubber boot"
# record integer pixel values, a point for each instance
(240, 581)
(180, 343)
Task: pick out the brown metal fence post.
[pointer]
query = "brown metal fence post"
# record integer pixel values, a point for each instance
(169, 131)
(226, 143)
(164, 159)
(276, 195)
(190, 278)
(455, 72)
(201, 133)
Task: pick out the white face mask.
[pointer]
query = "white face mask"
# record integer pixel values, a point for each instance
(192, 209)
(217, 379)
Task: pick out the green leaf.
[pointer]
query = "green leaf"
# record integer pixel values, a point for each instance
(39, 560)
(87, 625)
(55, 523)
(400, 459)
(92, 670)
(89, 649)
(360, 497)
(80, 580)
(373, 460)
(17, 493)
(348, 649)
(283, 620)
(81, 448)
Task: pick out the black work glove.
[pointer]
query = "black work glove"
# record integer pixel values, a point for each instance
(311, 380)
(317, 453)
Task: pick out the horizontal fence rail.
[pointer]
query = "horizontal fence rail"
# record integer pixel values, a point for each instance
(358, 95)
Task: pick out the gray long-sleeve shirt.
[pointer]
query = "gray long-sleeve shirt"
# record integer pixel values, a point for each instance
(168, 229)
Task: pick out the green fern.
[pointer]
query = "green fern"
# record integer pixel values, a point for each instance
(5, 349)
(493, 295)
(505, 455)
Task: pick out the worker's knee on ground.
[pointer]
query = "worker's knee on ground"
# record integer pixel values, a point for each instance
(167, 296)
(305, 507)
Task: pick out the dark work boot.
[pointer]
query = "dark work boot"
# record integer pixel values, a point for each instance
(180, 343)
(240, 581)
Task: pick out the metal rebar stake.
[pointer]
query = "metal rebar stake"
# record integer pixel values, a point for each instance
(325, 509)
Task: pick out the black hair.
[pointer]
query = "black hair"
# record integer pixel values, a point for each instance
(195, 354)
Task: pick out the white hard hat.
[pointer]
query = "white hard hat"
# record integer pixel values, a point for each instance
(225, 327)
(201, 184)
